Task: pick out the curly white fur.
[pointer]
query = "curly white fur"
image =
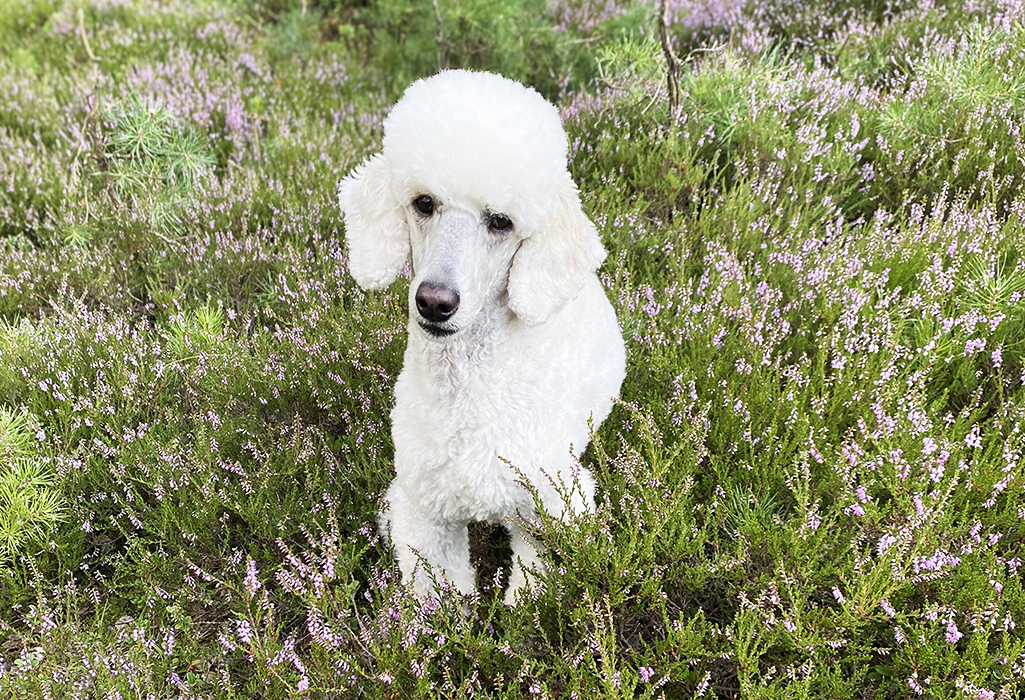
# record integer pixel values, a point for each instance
(500, 391)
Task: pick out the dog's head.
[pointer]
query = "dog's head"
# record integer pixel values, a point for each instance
(473, 186)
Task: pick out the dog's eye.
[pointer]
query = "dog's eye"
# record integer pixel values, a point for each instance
(499, 223)
(424, 204)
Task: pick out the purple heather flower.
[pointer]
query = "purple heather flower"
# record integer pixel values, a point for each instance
(953, 633)
(915, 685)
(252, 582)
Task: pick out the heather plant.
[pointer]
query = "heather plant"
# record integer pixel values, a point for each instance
(812, 485)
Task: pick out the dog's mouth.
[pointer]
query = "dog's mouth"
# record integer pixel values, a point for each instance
(435, 330)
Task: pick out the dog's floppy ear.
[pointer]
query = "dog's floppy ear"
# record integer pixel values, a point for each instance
(551, 266)
(375, 226)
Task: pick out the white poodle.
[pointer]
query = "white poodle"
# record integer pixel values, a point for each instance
(513, 346)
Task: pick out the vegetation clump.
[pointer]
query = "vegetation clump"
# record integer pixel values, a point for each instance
(812, 486)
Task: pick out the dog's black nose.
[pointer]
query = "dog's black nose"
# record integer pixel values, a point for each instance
(435, 302)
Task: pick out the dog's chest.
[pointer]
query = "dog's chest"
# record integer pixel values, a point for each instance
(459, 436)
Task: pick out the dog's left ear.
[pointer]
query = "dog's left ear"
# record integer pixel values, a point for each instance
(375, 227)
(551, 266)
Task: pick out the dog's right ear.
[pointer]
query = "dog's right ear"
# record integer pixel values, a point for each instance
(375, 225)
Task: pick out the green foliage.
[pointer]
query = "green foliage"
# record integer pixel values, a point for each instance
(200, 332)
(15, 440)
(991, 290)
(22, 16)
(517, 38)
(30, 503)
(812, 486)
(954, 102)
(30, 506)
(152, 162)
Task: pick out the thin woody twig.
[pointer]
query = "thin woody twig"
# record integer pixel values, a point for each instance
(85, 37)
(440, 38)
(90, 126)
(672, 61)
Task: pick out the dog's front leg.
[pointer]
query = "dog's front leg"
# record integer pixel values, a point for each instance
(525, 560)
(430, 552)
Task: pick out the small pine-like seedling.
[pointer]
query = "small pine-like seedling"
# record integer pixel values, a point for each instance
(14, 436)
(745, 514)
(993, 288)
(153, 160)
(197, 332)
(973, 76)
(29, 504)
